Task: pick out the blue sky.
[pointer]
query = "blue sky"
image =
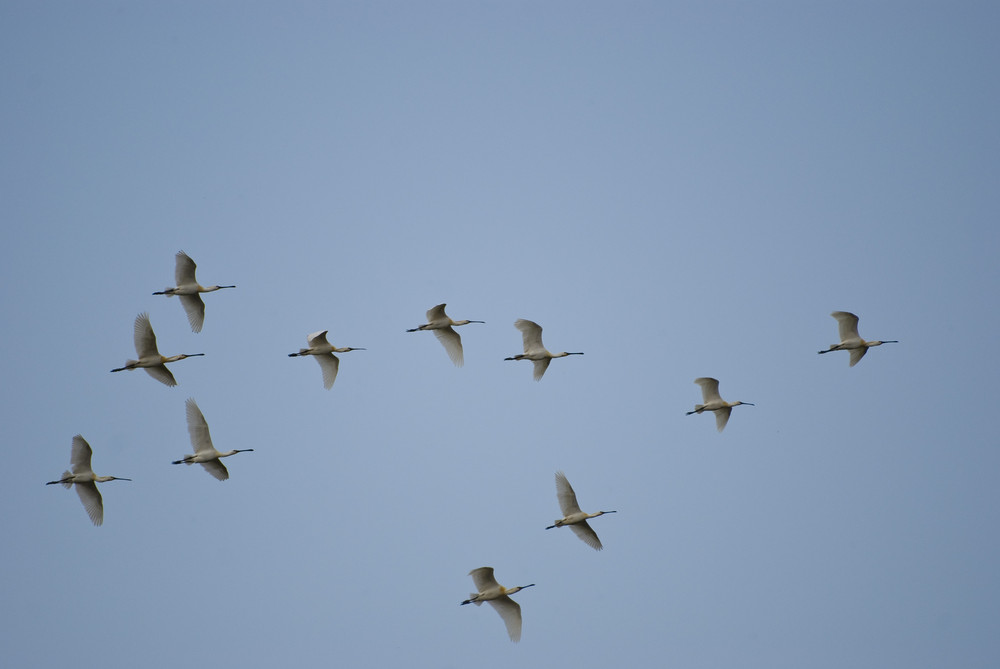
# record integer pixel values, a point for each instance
(678, 190)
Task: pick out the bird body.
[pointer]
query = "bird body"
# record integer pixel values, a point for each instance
(439, 322)
(188, 290)
(534, 350)
(713, 402)
(850, 340)
(149, 356)
(499, 598)
(204, 452)
(85, 480)
(324, 351)
(573, 516)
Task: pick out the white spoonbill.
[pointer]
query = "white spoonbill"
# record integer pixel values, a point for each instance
(187, 289)
(204, 453)
(713, 402)
(573, 516)
(149, 357)
(498, 596)
(441, 325)
(324, 351)
(850, 340)
(85, 479)
(534, 350)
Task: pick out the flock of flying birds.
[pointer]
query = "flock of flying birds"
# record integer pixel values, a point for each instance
(82, 477)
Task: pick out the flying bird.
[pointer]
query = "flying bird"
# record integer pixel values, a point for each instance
(149, 357)
(850, 340)
(188, 290)
(204, 453)
(713, 402)
(324, 351)
(85, 479)
(534, 350)
(573, 516)
(498, 597)
(441, 325)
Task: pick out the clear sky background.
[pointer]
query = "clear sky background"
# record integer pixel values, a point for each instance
(676, 189)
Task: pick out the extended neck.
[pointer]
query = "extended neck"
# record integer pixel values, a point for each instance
(175, 358)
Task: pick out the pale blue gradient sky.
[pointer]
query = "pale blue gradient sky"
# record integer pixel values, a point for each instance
(677, 190)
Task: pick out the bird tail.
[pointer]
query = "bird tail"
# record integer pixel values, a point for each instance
(128, 364)
(66, 475)
(698, 408)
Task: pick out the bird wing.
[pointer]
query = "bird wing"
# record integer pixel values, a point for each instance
(92, 502)
(566, 496)
(531, 334)
(452, 343)
(587, 534)
(80, 456)
(330, 364)
(484, 579)
(847, 324)
(510, 611)
(722, 417)
(709, 389)
(317, 338)
(198, 429)
(195, 309)
(184, 269)
(857, 354)
(216, 469)
(436, 313)
(162, 374)
(540, 367)
(145, 339)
